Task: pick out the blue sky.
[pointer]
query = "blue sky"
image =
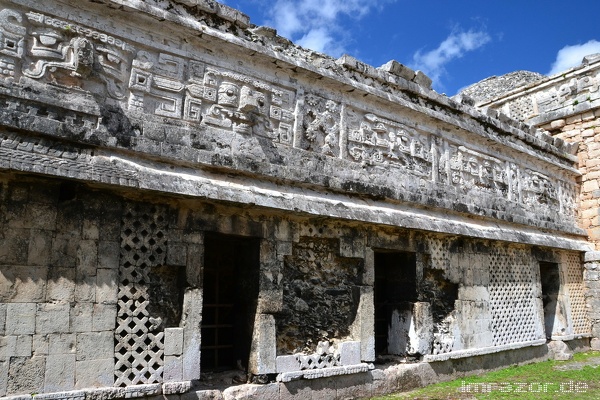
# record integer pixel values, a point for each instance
(455, 42)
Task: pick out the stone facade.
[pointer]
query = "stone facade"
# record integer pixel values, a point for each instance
(185, 193)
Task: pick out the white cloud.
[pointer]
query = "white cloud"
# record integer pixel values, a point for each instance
(571, 56)
(314, 23)
(433, 62)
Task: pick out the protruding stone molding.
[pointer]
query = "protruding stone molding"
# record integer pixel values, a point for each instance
(571, 336)
(220, 10)
(324, 372)
(111, 393)
(482, 351)
(198, 184)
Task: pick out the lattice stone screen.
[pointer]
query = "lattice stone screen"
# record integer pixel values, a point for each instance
(443, 339)
(522, 108)
(512, 297)
(139, 345)
(438, 252)
(574, 283)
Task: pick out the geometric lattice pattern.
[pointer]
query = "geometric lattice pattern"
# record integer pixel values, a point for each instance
(139, 347)
(443, 339)
(318, 361)
(438, 252)
(521, 109)
(574, 283)
(513, 303)
(442, 343)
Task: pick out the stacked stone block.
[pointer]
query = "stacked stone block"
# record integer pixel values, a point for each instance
(58, 272)
(585, 130)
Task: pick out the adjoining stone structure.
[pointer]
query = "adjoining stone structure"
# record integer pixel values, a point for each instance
(567, 107)
(184, 192)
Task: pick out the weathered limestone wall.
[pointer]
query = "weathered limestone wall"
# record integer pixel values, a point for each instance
(583, 129)
(89, 290)
(91, 287)
(59, 270)
(134, 133)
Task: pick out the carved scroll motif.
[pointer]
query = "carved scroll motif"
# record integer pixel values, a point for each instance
(12, 38)
(373, 139)
(156, 84)
(321, 126)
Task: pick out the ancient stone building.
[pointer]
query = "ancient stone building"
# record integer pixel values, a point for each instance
(185, 193)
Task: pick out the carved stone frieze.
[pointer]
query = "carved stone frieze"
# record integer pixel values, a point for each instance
(128, 79)
(246, 105)
(214, 97)
(576, 90)
(71, 54)
(156, 84)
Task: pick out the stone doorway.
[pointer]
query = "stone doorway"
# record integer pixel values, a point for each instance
(395, 293)
(231, 266)
(554, 320)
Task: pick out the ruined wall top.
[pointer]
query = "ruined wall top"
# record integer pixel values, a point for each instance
(188, 97)
(571, 92)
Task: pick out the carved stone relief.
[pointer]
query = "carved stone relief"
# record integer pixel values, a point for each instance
(12, 38)
(321, 126)
(373, 139)
(76, 56)
(538, 189)
(218, 98)
(156, 84)
(470, 169)
(570, 93)
(245, 105)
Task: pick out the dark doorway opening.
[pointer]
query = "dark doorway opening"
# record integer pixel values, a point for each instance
(550, 280)
(395, 289)
(231, 267)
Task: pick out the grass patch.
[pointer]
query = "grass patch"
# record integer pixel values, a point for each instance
(575, 379)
